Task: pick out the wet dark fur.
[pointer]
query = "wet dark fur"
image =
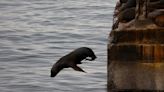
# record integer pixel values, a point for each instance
(129, 4)
(72, 59)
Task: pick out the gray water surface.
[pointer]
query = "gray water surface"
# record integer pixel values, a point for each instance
(34, 34)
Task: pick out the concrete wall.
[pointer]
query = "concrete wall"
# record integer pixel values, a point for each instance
(135, 60)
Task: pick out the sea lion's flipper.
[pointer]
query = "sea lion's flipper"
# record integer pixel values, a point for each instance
(75, 67)
(55, 70)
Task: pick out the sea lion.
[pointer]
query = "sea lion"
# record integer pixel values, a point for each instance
(159, 4)
(159, 20)
(72, 59)
(127, 15)
(128, 4)
(158, 17)
(154, 0)
(124, 17)
(123, 1)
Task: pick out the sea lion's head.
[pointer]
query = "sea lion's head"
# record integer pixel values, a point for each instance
(90, 55)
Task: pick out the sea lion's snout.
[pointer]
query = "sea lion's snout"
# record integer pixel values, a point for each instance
(91, 55)
(94, 57)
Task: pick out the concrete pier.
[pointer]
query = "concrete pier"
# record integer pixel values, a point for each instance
(136, 54)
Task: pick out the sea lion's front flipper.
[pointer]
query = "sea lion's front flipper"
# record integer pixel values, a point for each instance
(75, 67)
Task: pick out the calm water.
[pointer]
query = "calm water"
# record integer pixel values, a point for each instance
(34, 34)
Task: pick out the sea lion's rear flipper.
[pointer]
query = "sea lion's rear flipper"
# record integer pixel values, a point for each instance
(75, 67)
(55, 70)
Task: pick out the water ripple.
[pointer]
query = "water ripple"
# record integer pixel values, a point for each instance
(34, 34)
